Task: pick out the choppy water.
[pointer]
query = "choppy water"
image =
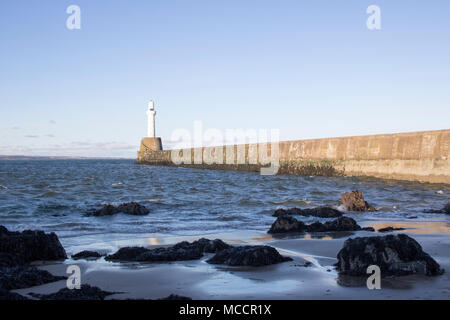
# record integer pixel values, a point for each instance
(54, 195)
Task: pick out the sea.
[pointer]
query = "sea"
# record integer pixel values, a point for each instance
(55, 195)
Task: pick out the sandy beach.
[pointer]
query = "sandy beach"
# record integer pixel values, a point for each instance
(311, 274)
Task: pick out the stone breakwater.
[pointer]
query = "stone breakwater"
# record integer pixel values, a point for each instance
(416, 156)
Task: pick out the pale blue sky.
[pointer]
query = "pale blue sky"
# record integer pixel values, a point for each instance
(311, 69)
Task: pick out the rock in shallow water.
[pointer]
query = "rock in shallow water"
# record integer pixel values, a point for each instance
(20, 277)
(254, 256)
(132, 208)
(86, 292)
(394, 254)
(390, 229)
(86, 254)
(31, 245)
(285, 224)
(354, 201)
(447, 208)
(321, 212)
(179, 252)
(225, 254)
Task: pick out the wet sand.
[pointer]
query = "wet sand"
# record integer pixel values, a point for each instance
(288, 280)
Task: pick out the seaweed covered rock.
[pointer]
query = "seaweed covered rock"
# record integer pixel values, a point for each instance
(20, 277)
(180, 251)
(339, 224)
(285, 224)
(320, 212)
(395, 255)
(254, 256)
(132, 208)
(354, 201)
(31, 245)
(86, 254)
(204, 245)
(86, 292)
(390, 229)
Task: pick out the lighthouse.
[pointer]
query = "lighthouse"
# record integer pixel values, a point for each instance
(151, 142)
(151, 119)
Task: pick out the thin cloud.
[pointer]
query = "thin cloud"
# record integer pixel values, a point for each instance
(31, 136)
(75, 148)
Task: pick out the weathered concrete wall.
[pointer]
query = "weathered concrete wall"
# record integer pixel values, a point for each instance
(422, 156)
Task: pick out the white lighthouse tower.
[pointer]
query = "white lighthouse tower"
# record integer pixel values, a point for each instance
(151, 119)
(151, 142)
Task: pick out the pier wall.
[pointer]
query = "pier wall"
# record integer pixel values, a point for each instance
(420, 156)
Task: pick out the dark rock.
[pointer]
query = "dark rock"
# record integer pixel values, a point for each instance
(447, 208)
(390, 229)
(86, 292)
(107, 210)
(342, 224)
(31, 245)
(86, 254)
(10, 260)
(370, 229)
(175, 297)
(394, 254)
(254, 256)
(20, 277)
(433, 211)
(285, 224)
(127, 254)
(10, 296)
(321, 212)
(290, 211)
(204, 245)
(354, 201)
(180, 251)
(132, 208)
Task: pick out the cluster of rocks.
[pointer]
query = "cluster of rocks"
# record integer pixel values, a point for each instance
(224, 253)
(131, 208)
(395, 255)
(17, 250)
(286, 224)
